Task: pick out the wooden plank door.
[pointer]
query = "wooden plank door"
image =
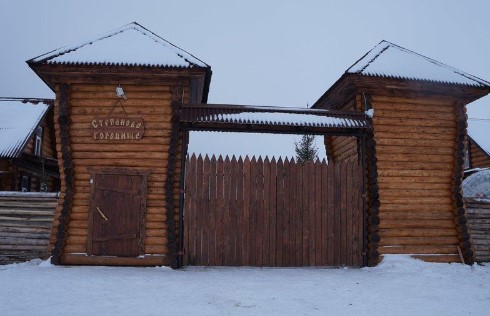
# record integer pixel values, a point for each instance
(116, 223)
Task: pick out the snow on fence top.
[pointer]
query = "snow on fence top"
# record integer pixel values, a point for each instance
(273, 116)
(390, 60)
(129, 45)
(18, 119)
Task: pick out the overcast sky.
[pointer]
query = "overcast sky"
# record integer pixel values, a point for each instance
(276, 53)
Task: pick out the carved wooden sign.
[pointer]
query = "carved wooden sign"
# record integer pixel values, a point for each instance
(117, 128)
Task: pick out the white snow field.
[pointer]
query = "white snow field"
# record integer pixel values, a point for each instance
(398, 286)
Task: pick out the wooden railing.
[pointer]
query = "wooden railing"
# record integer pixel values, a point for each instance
(25, 225)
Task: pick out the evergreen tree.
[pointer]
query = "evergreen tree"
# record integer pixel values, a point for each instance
(306, 149)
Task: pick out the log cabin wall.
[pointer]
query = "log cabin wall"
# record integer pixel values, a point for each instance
(416, 141)
(153, 104)
(343, 147)
(478, 158)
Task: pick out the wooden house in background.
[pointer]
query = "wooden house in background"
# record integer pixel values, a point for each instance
(478, 146)
(27, 146)
(419, 127)
(119, 144)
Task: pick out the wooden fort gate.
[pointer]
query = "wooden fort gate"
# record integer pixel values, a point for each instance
(255, 212)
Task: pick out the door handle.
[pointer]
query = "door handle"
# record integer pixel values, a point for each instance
(102, 214)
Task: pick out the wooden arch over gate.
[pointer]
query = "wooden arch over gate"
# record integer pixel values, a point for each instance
(255, 119)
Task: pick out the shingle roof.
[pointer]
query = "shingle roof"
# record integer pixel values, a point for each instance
(129, 45)
(18, 120)
(241, 115)
(390, 60)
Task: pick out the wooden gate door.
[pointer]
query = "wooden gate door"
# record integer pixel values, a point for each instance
(117, 213)
(272, 213)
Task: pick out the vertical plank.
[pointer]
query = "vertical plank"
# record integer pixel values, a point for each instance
(212, 212)
(318, 212)
(227, 185)
(331, 213)
(337, 210)
(311, 213)
(219, 210)
(253, 212)
(259, 238)
(199, 203)
(266, 213)
(286, 215)
(324, 213)
(239, 211)
(246, 213)
(233, 211)
(348, 214)
(206, 242)
(360, 224)
(189, 212)
(305, 212)
(298, 214)
(273, 213)
(280, 212)
(343, 197)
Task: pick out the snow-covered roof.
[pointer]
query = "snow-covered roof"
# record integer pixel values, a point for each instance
(479, 130)
(18, 119)
(271, 116)
(390, 60)
(477, 185)
(129, 45)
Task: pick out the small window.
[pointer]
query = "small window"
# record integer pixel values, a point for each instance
(25, 184)
(38, 141)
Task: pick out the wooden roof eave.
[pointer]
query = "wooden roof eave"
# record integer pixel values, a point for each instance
(53, 74)
(350, 84)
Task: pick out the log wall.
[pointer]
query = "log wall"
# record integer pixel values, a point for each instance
(153, 104)
(25, 225)
(416, 158)
(478, 212)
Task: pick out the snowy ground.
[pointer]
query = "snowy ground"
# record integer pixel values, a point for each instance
(398, 286)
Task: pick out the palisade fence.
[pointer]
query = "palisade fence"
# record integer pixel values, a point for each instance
(25, 225)
(261, 212)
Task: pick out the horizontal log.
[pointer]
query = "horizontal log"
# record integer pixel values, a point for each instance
(416, 200)
(414, 186)
(23, 241)
(8, 229)
(410, 122)
(385, 141)
(114, 261)
(393, 241)
(415, 157)
(155, 241)
(149, 154)
(414, 173)
(418, 223)
(438, 258)
(413, 215)
(410, 129)
(127, 87)
(156, 249)
(419, 249)
(414, 193)
(421, 180)
(75, 249)
(414, 134)
(417, 232)
(434, 150)
(111, 95)
(411, 103)
(411, 165)
(155, 232)
(384, 112)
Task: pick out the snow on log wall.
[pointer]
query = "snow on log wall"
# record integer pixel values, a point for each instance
(416, 148)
